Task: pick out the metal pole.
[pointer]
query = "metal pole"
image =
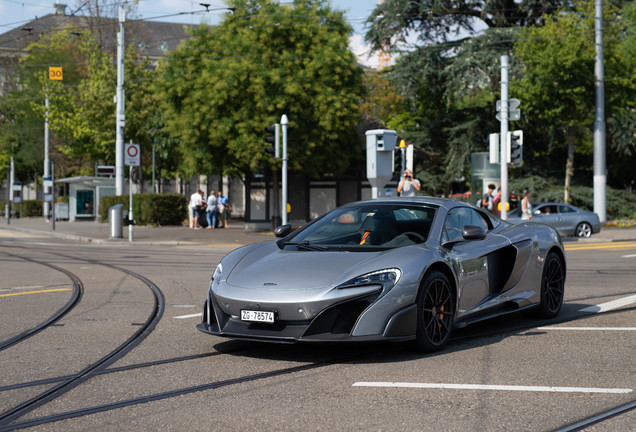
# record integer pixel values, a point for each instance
(120, 110)
(283, 122)
(7, 207)
(600, 179)
(130, 208)
(154, 188)
(47, 172)
(504, 144)
(53, 195)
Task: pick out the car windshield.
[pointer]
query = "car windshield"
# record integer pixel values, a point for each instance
(365, 228)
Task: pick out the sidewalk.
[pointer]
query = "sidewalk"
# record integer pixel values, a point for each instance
(94, 232)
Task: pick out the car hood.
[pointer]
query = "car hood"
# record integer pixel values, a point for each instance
(269, 268)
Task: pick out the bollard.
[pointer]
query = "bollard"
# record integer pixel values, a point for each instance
(115, 220)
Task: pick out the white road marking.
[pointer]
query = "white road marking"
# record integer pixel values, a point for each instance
(604, 307)
(589, 328)
(190, 316)
(493, 387)
(629, 256)
(28, 287)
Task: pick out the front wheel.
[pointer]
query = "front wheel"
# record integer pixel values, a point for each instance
(552, 288)
(583, 230)
(435, 306)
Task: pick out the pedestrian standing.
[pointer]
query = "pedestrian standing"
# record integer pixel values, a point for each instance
(408, 185)
(196, 200)
(487, 199)
(212, 210)
(223, 209)
(496, 203)
(526, 205)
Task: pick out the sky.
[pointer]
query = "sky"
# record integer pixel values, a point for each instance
(14, 13)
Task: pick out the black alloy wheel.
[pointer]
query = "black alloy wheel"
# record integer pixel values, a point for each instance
(435, 312)
(552, 287)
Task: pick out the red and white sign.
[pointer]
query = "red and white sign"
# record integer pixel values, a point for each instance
(132, 155)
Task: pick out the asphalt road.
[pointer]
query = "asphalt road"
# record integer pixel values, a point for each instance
(510, 373)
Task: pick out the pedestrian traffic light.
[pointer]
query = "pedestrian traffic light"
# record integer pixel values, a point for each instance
(273, 137)
(515, 150)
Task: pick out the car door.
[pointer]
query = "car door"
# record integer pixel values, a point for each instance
(472, 259)
(570, 218)
(549, 215)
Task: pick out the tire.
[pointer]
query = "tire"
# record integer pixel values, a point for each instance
(552, 288)
(435, 312)
(583, 230)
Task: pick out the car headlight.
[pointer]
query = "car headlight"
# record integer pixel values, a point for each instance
(217, 272)
(387, 278)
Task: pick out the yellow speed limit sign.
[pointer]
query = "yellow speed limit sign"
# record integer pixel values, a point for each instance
(55, 73)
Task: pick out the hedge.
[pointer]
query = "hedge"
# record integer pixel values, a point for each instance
(149, 209)
(28, 208)
(619, 203)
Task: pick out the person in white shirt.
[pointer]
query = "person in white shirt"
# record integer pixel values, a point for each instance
(195, 203)
(408, 185)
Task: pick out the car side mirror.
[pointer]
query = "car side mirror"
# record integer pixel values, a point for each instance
(537, 212)
(473, 232)
(283, 230)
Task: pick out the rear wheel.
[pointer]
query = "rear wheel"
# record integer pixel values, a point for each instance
(552, 287)
(435, 306)
(583, 230)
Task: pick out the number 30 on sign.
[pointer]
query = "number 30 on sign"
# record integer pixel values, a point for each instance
(55, 73)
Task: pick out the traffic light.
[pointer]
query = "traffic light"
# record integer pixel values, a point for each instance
(515, 148)
(397, 164)
(273, 137)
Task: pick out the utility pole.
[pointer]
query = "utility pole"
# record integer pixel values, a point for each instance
(53, 195)
(10, 180)
(55, 74)
(284, 122)
(503, 134)
(120, 110)
(47, 172)
(600, 179)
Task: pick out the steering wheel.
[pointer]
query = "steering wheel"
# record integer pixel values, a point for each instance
(417, 238)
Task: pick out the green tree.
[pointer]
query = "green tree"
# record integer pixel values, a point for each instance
(22, 135)
(228, 82)
(557, 84)
(81, 117)
(450, 78)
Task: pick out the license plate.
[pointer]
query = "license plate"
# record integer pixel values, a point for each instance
(257, 316)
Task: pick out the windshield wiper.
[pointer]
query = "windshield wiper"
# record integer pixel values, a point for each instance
(305, 245)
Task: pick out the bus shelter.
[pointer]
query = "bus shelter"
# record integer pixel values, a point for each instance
(85, 193)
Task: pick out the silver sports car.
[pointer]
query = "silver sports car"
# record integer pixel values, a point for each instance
(386, 269)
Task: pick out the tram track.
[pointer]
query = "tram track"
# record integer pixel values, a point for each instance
(78, 291)
(577, 426)
(599, 418)
(272, 374)
(85, 374)
(184, 391)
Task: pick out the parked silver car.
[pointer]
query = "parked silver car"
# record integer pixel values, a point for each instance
(569, 220)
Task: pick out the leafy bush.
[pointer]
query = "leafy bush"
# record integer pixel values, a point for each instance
(149, 209)
(31, 208)
(28, 208)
